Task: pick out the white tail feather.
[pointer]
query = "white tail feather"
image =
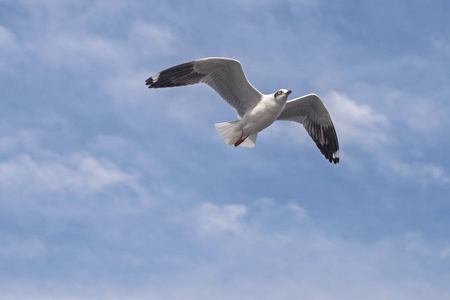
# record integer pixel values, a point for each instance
(250, 141)
(230, 134)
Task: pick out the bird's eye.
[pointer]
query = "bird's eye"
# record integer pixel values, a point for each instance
(279, 93)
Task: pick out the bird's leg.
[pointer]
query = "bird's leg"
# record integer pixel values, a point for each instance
(240, 140)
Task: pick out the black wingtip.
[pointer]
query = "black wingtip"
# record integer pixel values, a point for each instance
(179, 75)
(332, 157)
(333, 160)
(330, 149)
(149, 82)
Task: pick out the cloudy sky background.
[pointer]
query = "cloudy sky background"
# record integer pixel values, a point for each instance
(109, 190)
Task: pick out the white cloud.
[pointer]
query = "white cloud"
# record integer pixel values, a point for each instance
(67, 38)
(423, 173)
(275, 212)
(301, 212)
(424, 115)
(64, 38)
(128, 88)
(213, 219)
(359, 124)
(78, 172)
(32, 172)
(306, 264)
(356, 123)
(23, 139)
(79, 50)
(436, 172)
(419, 114)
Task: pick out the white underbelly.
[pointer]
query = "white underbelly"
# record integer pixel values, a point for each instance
(261, 117)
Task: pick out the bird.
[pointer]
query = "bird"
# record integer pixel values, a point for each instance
(256, 111)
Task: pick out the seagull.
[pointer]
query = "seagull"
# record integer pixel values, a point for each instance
(255, 110)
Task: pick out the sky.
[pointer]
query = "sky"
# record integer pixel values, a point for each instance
(109, 190)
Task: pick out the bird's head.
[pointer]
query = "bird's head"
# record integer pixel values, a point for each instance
(282, 95)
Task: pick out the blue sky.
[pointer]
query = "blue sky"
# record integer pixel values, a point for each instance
(109, 190)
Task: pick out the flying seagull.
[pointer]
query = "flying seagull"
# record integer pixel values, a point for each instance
(255, 110)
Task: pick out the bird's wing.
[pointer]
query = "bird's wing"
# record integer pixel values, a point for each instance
(224, 75)
(310, 111)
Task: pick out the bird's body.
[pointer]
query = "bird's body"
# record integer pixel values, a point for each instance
(263, 114)
(256, 119)
(255, 110)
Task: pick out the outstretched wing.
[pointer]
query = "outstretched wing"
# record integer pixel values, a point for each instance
(224, 75)
(310, 111)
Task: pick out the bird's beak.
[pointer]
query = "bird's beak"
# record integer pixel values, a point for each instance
(288, 92)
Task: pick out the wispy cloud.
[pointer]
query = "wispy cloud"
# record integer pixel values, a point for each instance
(306, 262)
(213, 219)
(422, 115)
(34, 171)
(69, 41)
(7, 39)
(417, 172)
(78, 172)
(357, 124)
